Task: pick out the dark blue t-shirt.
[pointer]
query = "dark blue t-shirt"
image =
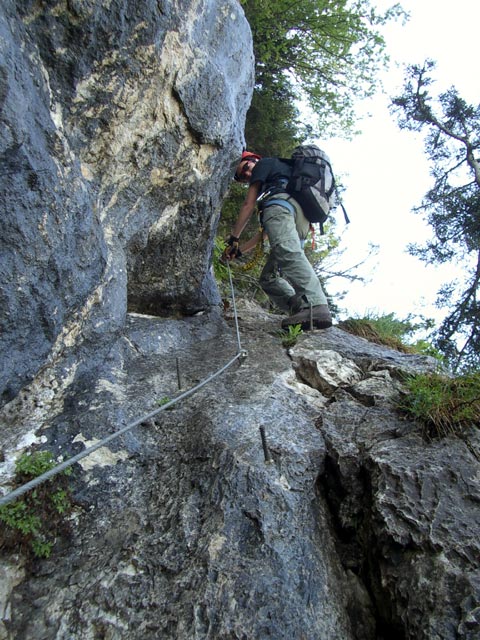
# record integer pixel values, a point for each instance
(270, 172)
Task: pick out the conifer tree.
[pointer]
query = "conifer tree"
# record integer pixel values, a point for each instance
(451, 206)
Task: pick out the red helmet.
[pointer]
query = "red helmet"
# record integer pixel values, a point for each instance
(247, 155)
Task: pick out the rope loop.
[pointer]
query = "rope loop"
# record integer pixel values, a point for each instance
(257, 256)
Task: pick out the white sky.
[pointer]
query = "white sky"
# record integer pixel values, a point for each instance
(385, 171)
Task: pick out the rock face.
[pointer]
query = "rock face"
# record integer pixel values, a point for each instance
(119, 125)
(119, 128)
(357, 528)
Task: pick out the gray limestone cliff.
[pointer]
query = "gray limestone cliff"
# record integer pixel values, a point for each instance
(119, 126)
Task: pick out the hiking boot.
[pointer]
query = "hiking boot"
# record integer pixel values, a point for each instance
(320, 315)
(295, 303)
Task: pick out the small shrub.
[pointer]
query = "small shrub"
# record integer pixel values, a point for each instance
(290, 337)
(165, 400)
(36, 519)
(444, 406)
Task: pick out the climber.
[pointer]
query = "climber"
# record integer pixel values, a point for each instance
(288, 277)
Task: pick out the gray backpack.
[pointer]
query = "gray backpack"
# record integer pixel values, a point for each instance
(312, 183)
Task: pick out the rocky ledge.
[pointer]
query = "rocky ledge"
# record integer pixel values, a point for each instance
(355, 529)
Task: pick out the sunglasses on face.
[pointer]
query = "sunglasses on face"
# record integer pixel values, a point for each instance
(245, 169)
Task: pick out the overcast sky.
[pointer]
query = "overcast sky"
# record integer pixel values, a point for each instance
(385, 171)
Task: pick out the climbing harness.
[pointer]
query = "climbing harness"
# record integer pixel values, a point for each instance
(240, 355)
(279, 202)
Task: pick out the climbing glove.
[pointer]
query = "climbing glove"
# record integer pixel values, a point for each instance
(232, 250)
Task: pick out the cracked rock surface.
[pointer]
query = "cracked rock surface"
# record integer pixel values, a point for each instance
(357, 529)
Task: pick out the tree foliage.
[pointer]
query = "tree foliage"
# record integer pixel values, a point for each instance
(451, 206)
(326, 51)
(273, 127)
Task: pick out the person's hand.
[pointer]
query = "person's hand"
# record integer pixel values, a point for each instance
(232, 250)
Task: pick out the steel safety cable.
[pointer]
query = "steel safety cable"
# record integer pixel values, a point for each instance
(232, 291)
(16, 493)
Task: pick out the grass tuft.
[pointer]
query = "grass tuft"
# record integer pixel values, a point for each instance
(394, 333)
(374, 330)
(444, 406)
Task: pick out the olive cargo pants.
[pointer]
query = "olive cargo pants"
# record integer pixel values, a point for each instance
(287, 271)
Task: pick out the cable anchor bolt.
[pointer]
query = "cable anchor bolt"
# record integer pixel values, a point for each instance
(266, 452)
